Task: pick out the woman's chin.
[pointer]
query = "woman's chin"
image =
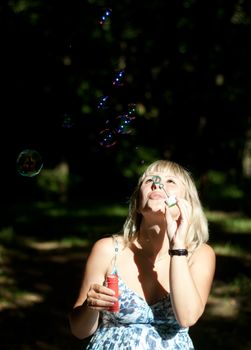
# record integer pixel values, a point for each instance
(157, 205)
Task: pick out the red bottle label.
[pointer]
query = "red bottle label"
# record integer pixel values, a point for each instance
(112, 283)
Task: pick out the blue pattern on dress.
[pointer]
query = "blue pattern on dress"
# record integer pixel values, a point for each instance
(140, 326)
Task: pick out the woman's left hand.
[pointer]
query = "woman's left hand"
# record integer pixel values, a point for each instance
(178, 225)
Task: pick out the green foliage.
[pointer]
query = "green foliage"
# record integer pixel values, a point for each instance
(132, 167)
(221, 191)
(56, 183)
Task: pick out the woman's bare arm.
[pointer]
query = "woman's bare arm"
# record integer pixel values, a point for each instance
(93, 295)
(190, 284)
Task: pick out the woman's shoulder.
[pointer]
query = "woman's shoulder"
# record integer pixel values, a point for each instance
(101, 254)
(204, 252)
(106, 245)
(207, 248)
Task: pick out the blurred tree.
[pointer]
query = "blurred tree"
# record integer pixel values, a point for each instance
(186, 69)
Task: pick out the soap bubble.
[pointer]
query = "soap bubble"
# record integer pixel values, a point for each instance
(103, 103)
(123, 124)
(107, 138)
(118, 80)
(105, 17)
(67, 121)
(131, 110)
(29, 163)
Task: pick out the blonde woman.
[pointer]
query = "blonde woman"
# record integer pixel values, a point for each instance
(165, 269)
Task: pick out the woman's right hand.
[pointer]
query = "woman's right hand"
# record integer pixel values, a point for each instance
(177, 227)
(100, 297)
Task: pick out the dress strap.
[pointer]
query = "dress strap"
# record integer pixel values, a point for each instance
(116, 251)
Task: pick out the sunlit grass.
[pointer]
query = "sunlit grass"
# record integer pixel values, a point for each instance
(227, 307)
(12, 297)
(81, 212)
(229, 249)
(65, 243)
(225, 299)
(230, 222)
(241, 284)
(15, 299)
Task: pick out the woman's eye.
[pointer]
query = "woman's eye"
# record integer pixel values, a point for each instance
(170, 181)
(148, 180)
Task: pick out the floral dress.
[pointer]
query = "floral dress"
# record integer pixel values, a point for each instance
(140, 326)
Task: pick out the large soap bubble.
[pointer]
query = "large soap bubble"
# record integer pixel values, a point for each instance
(29, 163)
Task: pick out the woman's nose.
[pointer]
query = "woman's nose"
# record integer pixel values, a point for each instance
(153, 187)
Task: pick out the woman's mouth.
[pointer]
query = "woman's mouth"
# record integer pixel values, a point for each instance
(156, 195)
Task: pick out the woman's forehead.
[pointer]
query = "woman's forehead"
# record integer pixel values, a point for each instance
(161, 174)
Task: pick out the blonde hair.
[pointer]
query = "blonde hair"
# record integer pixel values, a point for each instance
(198, 230)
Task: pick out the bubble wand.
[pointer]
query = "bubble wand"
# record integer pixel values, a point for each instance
(170, 199)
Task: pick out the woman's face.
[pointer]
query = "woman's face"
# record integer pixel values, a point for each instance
(155, 189)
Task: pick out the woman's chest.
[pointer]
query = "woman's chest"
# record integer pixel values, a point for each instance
(140, 275)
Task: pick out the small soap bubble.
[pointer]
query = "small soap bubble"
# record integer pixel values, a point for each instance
(103, 103)
(107, 138)
(29, 163)
(105, 16)
(118, 81)
(67, 121)
(131, 110)
(68, 44)
(123, 124)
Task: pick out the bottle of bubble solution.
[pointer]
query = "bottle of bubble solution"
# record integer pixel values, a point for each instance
(112, 283)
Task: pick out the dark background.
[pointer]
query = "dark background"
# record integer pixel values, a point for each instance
(187, 70)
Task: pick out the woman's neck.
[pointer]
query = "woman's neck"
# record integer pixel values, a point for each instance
(152, 240)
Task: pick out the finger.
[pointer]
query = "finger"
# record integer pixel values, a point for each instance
(98, 292)
(105, 297)
(97, 288)
(185, 209)
(99, 304)
(169, 218)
